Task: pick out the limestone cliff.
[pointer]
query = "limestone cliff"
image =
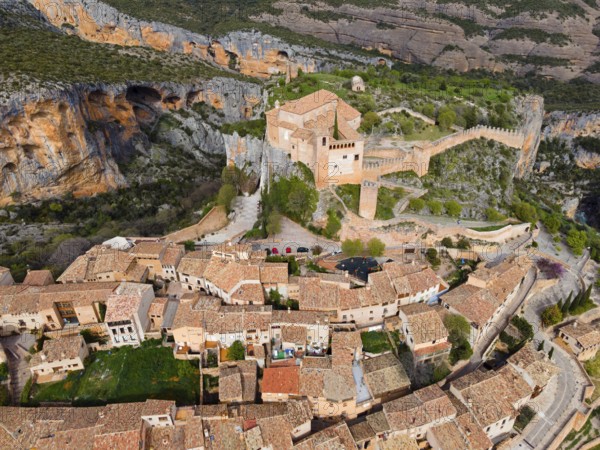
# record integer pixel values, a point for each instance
(250, 52)
(461, 35)
(70, 141)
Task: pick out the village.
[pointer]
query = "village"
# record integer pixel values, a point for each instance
(248, 344)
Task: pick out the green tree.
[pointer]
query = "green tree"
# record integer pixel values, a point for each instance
(453, 208)
(300, 202)
(551, 352)
(432, 256)
(577, 240)
(273, 223)
(435, 207)
(493, 215)
(446, 118)
(458, 325)
(4, 395)
(463, 244)
(447, 242)
(317, 250)
(334, 224)
(336, 129)
(3, 371)
(471, 117)
(551, 316)
(274, 297)
(567, 304)
(525, 212)
(375, 247)
(552, 223)
(541, 346)
(352, 247)
(429, 110)
(236, 351)
(226, 195)
(189, 246)
(416, 204)
(370, 120)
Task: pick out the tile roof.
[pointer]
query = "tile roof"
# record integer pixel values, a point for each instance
(38, 278)
(102, 260)
(536, 363)
(315, 295)
(317, 99)
(334, 437)
(295, 334)
(384, 374)
(425, 324)
(173, 255)
(301, 317)
(59, 349)
(271, 273)
(224, 434)
(401, 441)
(249, 292)
(157, 307)
(491, 395)
(425, 406)
(378, 422)
(194, 264)
(237, 380)
(149, 250)
(587, 335)
(281, 380)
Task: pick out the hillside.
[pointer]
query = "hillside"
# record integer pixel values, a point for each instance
(559, 38)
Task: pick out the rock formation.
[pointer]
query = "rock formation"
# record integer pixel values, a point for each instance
(430, 33)
(70, 141)
(250, 52)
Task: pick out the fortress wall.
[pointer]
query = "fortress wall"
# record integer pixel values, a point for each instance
(510, 138)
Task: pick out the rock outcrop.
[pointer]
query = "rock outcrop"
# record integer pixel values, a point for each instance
(249, 52)
(453, 35)
(71, 141)
(560, 124)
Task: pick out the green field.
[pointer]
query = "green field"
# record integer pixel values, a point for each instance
(126, 375)
(375, 342)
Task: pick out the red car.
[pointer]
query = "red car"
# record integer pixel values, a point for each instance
(274, 251)
(288, 250)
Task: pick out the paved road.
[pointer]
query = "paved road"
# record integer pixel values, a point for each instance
(492, 333)
(17, 351)
(246, 215)
(293, 235)
(564, 394)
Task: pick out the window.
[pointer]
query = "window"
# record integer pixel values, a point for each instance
(345, 157)
(356, 157)
(324, 141)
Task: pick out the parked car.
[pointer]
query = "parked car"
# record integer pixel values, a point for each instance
(302, 250)
(274, 251)
(288, 249)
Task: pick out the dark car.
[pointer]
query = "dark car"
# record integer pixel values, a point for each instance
(302, 250)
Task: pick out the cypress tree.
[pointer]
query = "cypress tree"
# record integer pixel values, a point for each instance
(567, 305)
(588, 294)
(336, 130)
(577, 302)
(550, 353)
(541, 346)
(560, 304)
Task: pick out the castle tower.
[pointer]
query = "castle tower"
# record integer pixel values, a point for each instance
(368, 199)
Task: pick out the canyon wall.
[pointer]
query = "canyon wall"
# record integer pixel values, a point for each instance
(71, 141)
(249, 52)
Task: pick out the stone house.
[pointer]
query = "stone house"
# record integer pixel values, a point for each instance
(583, 339)
(127, 317)
(57, 358)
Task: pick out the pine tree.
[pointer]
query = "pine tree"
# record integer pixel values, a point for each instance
(550, 353)
(336, 130)
(541, 346)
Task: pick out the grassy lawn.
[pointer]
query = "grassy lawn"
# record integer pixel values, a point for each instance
(375, 342)
(490, 228)
(125, 375)
(430, 133)
(386, 200)
(350, 194)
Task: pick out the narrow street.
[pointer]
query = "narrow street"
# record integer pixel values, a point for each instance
(16, 348)
(564, 395)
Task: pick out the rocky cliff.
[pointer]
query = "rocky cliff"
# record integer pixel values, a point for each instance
(249, 52)
(72, 140)
(557, 40)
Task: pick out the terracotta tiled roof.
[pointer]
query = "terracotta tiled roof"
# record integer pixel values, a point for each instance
(59, 349)
(536, 363)
(173, 255)
(149, 250)
(335, 437)
(284, 380)
(425, 324)
(300, 317)
(272, 273)
(587, 335)
(38, 278)
(194, 264)
(295, 334)
(384, 374)
(249, 292)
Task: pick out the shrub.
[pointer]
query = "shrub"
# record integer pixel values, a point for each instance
(432, 257)
(333, 224)
(370, 120)
(352, 247)
(463, 244)
(226, 195)
(190, 246)
(453, 208)
(416, 204)
(552, 223)
(435, 207)
(375, 247)
(525, 212)
(274, 223)
(552, 315)
(447, 242)
(236, 351)
(493, 215)
(577, 241)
